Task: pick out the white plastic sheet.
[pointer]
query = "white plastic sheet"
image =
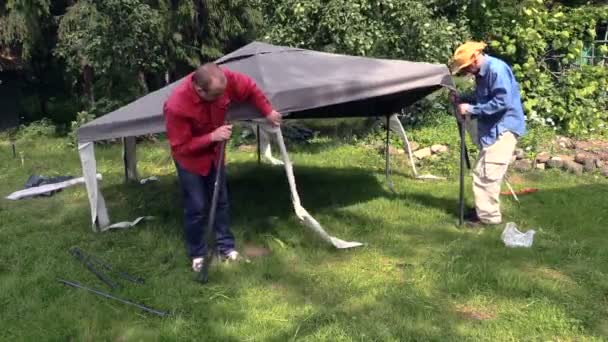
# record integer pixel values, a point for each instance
(512, 237)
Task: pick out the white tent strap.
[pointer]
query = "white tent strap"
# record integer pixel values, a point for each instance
(100, 219)
(396, 126)
(265, 149)
(99, 212)
(127, 224)
(302, 213)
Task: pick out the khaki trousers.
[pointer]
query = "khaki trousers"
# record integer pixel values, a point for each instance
(489, 172)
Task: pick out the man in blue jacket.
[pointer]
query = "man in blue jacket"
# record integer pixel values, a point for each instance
(496, 104)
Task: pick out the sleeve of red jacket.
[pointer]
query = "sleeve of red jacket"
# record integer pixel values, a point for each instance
(179, 134)
(245, 89)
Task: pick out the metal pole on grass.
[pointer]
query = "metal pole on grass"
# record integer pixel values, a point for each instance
(258, 143)
(106, 295)
(204, 274)
(463, 152)
(387, 156)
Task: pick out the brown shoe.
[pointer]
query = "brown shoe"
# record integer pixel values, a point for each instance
(475, 223)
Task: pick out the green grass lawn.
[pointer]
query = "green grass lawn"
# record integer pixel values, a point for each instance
(419, 277)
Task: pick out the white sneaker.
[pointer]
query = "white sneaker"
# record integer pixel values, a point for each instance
(197, 264)
(231, 256)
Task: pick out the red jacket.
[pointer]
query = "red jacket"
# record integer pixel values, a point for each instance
(190, 120)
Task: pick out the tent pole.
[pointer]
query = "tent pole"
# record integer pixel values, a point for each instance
(258, 143)
(204, 274)
(124, 159)
(387, 156)
(463, 162)
(130, 158)
(14, 151)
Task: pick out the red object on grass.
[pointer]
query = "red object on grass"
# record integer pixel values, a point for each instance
(523, 191)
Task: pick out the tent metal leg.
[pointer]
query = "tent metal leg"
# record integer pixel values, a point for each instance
(463, 164)
(259, 149)
(130, 158)
(387, 157)
(204, 274)
(466, 157)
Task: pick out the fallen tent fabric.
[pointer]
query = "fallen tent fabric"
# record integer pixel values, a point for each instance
(299, 83)
(43, 186)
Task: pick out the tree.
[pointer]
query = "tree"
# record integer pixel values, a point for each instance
(109, 39)
(22, 26)
(407, 29)
(544, 41)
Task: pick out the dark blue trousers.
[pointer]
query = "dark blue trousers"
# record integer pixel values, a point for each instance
(197, 192)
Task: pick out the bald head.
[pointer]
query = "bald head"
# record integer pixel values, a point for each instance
(209, 81)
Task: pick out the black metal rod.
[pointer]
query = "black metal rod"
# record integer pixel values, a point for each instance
(124, 275)
(463, 152)
(107, 295)
(14, 151)
(77, 253)
(259, 146)
(466, 157)
(461, 126)
(387, 156)
(124, 159)
(204, 274)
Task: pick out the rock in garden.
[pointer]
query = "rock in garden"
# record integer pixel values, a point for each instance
(565, 142)
(519, 154)
(589, 165)
(439, 149)
(541, 166)
(574, 167)
(423, 153)
(580, 158)
(513, 159)
(599, 163)
(543, 157)
(522, 165)
(394, 151)
(414, 145)
(605, 171)
(555, 163)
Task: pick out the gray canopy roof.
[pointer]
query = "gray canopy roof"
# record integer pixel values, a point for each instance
(299, 83)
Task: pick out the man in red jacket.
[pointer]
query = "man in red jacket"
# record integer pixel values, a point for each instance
(195, 120)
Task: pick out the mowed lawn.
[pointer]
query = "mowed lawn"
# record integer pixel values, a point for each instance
(419, 277)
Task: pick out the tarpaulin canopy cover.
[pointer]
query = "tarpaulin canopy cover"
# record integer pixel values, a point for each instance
(299, 83)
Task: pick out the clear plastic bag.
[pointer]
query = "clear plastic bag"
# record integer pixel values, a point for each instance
(512, 237)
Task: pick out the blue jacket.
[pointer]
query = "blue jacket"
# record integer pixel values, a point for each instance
(497, 105)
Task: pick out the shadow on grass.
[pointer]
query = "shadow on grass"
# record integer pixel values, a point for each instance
(257, 193)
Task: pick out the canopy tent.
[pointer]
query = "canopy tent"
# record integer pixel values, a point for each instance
(299, 83)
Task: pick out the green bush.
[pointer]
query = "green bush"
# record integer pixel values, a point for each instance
(82, 118)
(38, 129)
(544, 44)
